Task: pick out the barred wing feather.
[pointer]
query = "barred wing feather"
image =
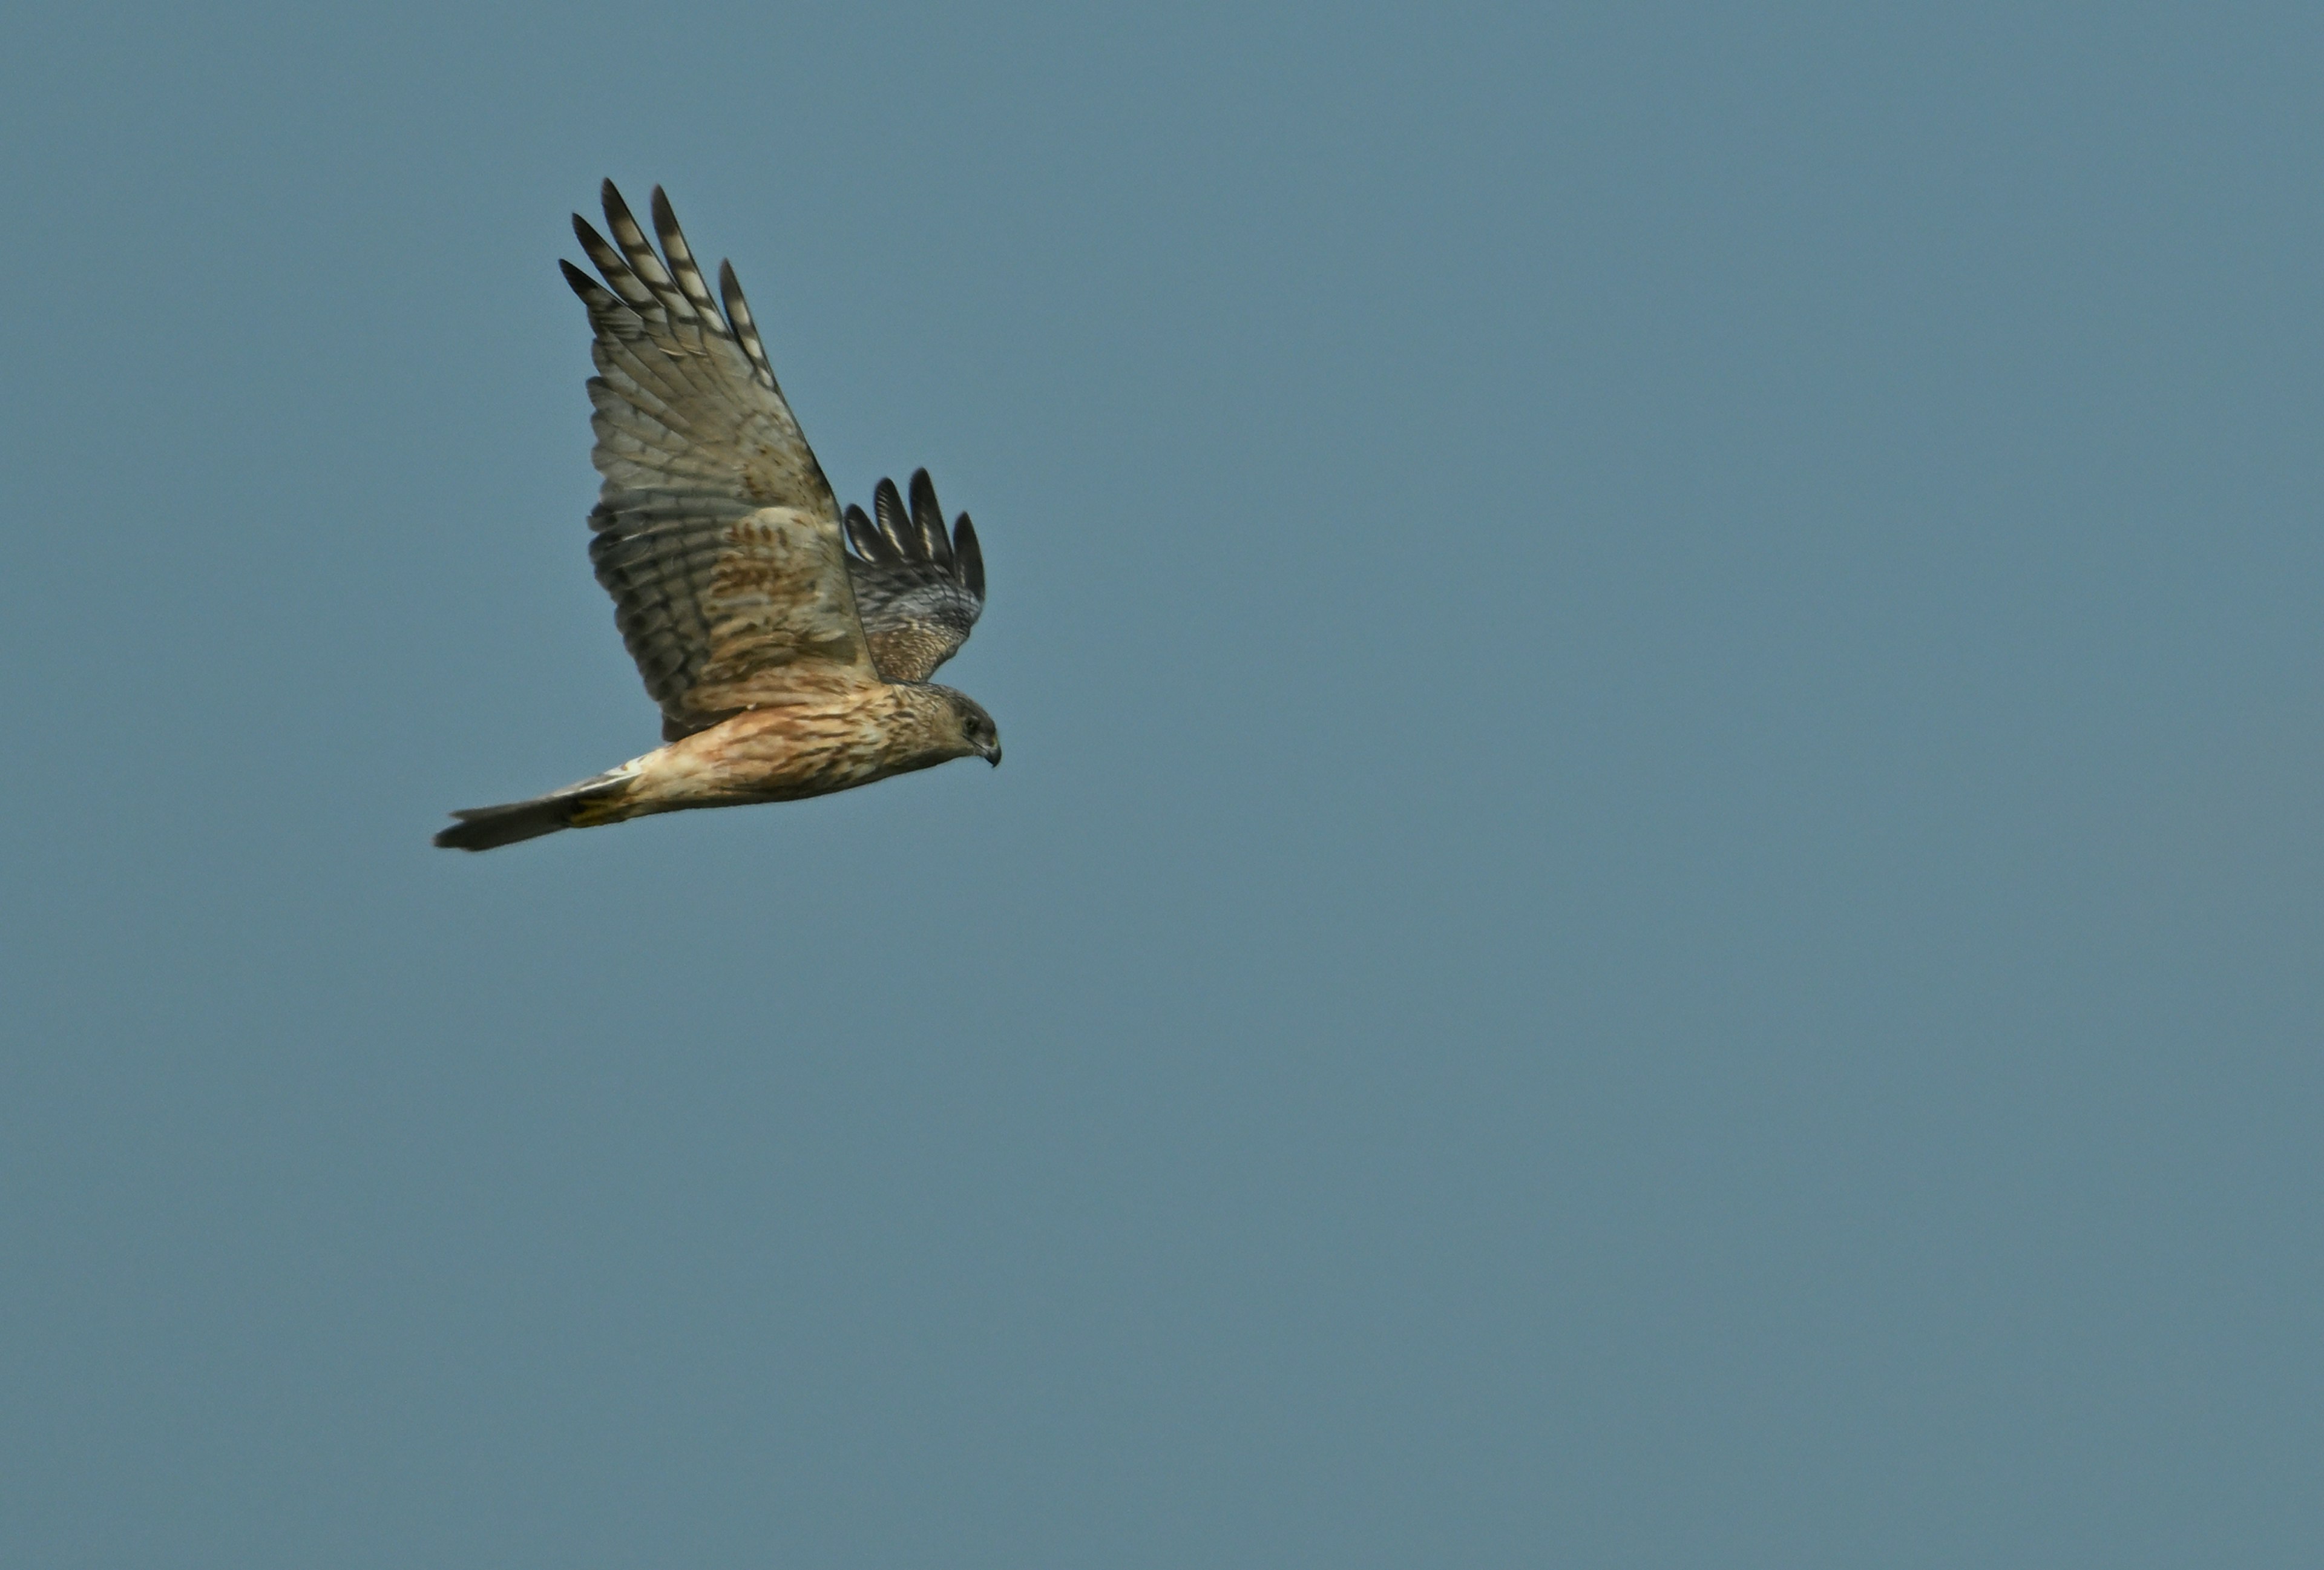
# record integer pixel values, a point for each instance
(918, 588)
(716, 531)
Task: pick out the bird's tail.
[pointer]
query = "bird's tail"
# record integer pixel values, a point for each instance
(595, 800)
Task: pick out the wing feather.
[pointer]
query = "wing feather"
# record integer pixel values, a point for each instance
(864, 536)
(681, 259)
(716, 531)
(917, 590)
(895, 524)
(927, 518)
(970, 556)
(608, 260)
(746, 331)
(638, 252)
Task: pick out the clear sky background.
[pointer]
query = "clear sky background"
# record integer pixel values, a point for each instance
(1657, 892)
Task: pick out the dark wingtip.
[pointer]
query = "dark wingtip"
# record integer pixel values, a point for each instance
(617, 211)
(593, 294)
(927, 521)
(970, 556)
(594, 245)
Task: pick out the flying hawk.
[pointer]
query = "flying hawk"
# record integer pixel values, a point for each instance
(786, 664)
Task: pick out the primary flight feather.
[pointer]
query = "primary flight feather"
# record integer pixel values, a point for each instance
(784, 665)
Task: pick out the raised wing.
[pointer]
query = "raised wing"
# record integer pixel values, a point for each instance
(918, 589)
(716, 533)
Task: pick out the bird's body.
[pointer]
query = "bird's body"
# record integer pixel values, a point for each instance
(784, 666)
(820, 739)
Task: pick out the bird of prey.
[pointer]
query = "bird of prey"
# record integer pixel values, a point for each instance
(786, 664)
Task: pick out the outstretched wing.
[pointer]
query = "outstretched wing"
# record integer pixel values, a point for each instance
(918, 589)
(716, 533)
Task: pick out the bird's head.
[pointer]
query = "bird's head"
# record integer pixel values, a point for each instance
(979, 736)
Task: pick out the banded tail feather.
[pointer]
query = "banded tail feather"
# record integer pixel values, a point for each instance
(580, 806)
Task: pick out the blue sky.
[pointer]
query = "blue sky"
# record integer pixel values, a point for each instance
(1655, 897)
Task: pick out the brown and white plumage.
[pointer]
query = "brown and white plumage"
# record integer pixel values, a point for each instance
(783, 666)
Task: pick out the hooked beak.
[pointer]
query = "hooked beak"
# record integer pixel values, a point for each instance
(993, 757)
